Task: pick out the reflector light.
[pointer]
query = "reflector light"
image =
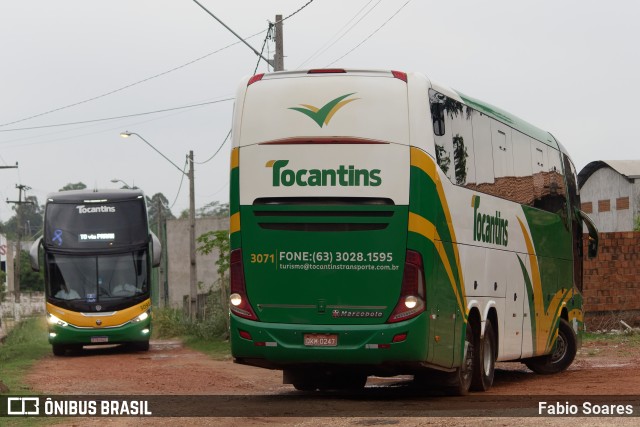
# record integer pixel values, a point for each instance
(255, 78)
(399, 337)
(244, 334)
(400, 75)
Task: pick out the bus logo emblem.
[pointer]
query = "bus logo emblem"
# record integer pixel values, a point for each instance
(323, 115)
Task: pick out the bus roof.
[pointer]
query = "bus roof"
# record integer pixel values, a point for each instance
(111, 195)
(510, 120)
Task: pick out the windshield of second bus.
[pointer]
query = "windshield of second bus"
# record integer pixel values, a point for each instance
(97, 278)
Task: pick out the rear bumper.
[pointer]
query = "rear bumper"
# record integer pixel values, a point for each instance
(278, 346)
(129, 332)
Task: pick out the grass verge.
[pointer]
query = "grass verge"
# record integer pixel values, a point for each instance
(25, 345)
(206, 336)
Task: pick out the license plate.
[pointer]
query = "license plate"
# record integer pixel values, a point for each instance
(321, 340)
(99, 339)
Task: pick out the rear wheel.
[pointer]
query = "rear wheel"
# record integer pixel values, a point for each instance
(460, 380)
(325, 380)
(564, 351)
(485, 359)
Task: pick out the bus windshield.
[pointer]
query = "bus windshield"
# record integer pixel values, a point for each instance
(97, 278)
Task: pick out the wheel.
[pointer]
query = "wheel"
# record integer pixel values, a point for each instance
(341, 380)
(485, 360)
(59, 349)
(459, 381)
(564, 351)
(139, 346)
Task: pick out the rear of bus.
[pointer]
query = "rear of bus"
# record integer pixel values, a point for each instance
(320, 176)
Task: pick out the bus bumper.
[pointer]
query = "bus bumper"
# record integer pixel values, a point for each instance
(129, 332)
(277, 346)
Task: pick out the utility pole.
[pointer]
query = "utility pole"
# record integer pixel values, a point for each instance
(278, 58)
(16, 271)
(192, 240)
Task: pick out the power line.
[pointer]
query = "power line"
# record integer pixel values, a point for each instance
(326, 46)
(217, 151)
(371, 35)
(118, 117)
(144, 80)
(124, 87)
(181, 181)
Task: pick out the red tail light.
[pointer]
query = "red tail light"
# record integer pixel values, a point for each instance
(327, 71)
(255, 78)
(412, 295)
(239, 302)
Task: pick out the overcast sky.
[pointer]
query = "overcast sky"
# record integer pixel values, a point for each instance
(569, 67)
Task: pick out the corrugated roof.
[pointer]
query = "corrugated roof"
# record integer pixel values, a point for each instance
(630, 169)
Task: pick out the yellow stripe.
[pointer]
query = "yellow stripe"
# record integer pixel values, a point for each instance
(310, 107)
(336, 107)
(424, 227)
(118, 318)
(234, 223)
(422, 161)
(545, 320)
(235, 158)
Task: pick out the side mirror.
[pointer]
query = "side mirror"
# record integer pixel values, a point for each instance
(592, 247)
(33, 254)
(156, 251)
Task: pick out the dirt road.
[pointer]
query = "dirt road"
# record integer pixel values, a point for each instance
(170, 369)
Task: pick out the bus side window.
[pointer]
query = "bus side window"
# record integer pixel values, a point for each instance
(437, 112)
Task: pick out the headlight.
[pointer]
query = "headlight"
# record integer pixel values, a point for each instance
(53, 320)
(141, 317)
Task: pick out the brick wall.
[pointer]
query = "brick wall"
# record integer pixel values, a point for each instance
(612, 280)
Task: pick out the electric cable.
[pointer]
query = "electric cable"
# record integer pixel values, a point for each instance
(371, 35)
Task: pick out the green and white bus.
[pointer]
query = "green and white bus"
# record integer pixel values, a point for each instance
(382, 224)
(98, 254)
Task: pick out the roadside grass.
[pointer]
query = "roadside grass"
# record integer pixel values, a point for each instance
(25, 345)
(627, 338)
(207, 336)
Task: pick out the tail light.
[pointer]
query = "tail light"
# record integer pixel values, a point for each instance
(412, 295)
(239, 302)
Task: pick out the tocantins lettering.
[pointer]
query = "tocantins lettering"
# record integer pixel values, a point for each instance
(82, 209)
(489, 228)
(344, 176)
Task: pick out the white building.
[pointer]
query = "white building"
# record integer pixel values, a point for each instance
(610, 193)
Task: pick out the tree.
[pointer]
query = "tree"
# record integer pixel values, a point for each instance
(72, 186)
(31, 219)
(213, 209)
(3, 285)
(158, 207)
(30, 280)
(210, 241)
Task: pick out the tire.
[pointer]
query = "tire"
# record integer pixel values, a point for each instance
(459, 382)
(332, 380)
(59, 349)
(139, 346)
(564, 351)
(485, 359)
(344, 381)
